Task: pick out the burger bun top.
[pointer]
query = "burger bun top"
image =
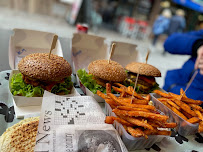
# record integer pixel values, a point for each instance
(143, 69)
(111, 71)
(39, 66)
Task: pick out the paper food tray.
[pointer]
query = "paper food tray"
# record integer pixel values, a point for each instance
(131, 142)
(184, 128)
(21, 101)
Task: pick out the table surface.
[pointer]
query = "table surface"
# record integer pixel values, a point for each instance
(175, 143)
(7, 114)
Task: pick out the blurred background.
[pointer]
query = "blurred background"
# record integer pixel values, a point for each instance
(131, 21)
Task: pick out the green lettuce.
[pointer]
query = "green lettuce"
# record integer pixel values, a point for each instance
(20, 88)
(88, 81)
(64, 87)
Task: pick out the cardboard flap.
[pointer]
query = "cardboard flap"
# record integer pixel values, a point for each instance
(87, 48)
(24, 42)
(30, 38)
(125, 53)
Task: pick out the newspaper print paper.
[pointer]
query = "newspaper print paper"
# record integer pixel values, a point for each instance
(75, 124)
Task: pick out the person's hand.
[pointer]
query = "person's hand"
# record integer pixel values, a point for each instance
(199, 60)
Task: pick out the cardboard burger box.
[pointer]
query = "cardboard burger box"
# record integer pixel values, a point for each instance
(87, 48)
(24, 42)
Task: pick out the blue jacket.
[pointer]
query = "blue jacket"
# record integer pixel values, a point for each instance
(177, 79)
(177, 24)
(160, 25)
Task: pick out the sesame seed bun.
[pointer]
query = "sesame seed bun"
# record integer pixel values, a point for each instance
(39, 66)
(21, 136)
(145, 69)
(112, 71)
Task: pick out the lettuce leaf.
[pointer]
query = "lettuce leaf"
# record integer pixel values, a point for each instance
(88, 81)
(19, 87)
(64, 87)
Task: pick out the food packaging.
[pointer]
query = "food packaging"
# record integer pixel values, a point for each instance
(83, 54)
(131, 142)
(184, 128)
(22, 43)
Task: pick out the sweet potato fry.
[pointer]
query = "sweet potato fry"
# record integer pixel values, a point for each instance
(137, 122)
(186, 114)
(141, 114)
(173, 104)
(153, 124)
(194, 106)
(182, 93)
(163, 132)
(111, 102)
(179, 113)
(123, 93)
(191, 101)
(139, 101)
(135, 94)
(129, 105)
(177, 102)
(148, 97)
(187, 108)
(165, 103)
(175, 96)
(99, 93)
(108, 88)
(130, 88)
(117, 89)
(194, 120)
(148, 115)
(111, 119)
(133, 100)
(135, 132)
(199, 114)
(132, 109)
(169, 125)
(112, 106)
(162, 93)
(120, 85)
(200, 129)
(158, 124)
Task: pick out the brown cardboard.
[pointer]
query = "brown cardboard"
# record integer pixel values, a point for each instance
(87, 48)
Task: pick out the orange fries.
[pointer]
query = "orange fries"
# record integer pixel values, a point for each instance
(183, 106)
(134, 112)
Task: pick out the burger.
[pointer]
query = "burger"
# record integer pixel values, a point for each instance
(38, 72)
(100, 73)
(146, 81)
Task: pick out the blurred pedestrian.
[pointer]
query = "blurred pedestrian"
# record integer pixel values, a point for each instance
(161, 25)
(190, 43)
(177, 22)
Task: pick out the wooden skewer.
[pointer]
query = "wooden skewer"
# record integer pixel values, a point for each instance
(113, 45)
(147, 56)
(53, 45)
(135, 84)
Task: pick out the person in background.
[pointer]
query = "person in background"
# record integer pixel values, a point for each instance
(199, 61)
(177, 22)
(161, 25)
(190, 43)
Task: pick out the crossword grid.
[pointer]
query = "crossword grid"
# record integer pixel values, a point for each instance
(68, 111)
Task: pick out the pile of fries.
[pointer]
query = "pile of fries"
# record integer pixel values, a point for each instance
(186, 108)
(135, 113)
